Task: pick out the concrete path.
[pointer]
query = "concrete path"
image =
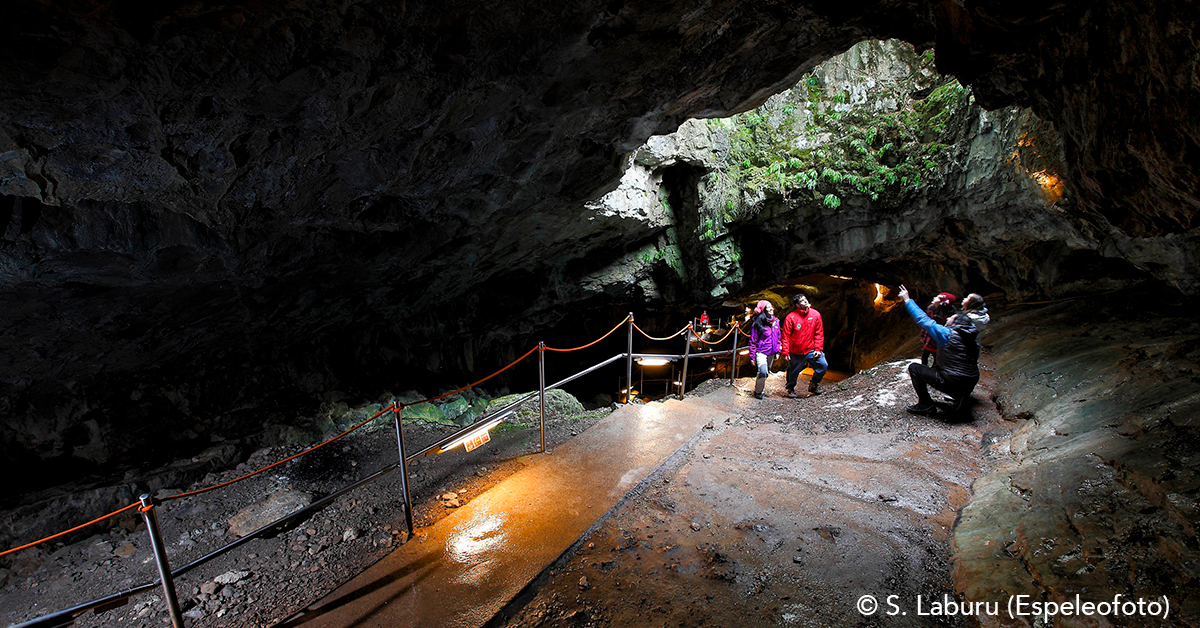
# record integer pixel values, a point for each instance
(463, 569)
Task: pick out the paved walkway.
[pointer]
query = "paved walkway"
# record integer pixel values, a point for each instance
(463, 569)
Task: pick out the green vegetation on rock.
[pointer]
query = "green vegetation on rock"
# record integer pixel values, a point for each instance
(817, 145)
(559, 404)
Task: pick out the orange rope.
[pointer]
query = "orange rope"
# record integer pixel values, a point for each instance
(667, 338)
(389, 408)
(596, 340)
(472, 385)
(78, 527)
(719, 341)
(291, 457)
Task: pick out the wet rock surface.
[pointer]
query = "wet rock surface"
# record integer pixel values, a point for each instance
(783, 515)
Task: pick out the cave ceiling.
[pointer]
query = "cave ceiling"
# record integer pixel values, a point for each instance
(206, 202)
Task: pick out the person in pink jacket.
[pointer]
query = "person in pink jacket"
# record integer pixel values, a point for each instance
(764, 343)
(804, 344)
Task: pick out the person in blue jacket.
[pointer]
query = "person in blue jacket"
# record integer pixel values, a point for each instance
(956, 371)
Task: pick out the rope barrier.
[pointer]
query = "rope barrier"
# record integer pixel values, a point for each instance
(719, 341)
(472, 385)
(78, 527)
(623, 321)
(660, 339)
(389, 408)
(275, 464)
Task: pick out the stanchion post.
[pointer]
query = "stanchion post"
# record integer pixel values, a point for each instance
(408, 517)
(160, 556)
(542, 390)
(733, 358)
(687, 350)
(629, 364)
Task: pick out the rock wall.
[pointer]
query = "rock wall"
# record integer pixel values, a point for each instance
(1095, 486)
(213, 216)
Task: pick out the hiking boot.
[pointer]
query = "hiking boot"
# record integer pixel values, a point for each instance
(760, 385)
(759, 396)
(926, 409)
(813, 390)
(792, 394)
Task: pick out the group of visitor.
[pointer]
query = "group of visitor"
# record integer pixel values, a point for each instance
(949, 338)
(800, 339)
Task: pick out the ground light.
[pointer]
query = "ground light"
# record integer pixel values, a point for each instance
(475, 437)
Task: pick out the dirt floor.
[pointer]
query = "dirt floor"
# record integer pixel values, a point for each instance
(785, 515)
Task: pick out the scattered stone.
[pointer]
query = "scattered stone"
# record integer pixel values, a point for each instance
(209, 588)
(125, 550)
(709, 425)
(350, 534)
(452, 503)
(195, 613)
(799, 560)
(101, 548)
(272, 508)
(583, 583)
(230, 577)
(707, 456)
(696, 526)
(449, 496)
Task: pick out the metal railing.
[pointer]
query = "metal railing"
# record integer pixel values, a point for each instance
(147, 505)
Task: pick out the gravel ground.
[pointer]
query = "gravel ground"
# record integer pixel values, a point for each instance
(267, 580)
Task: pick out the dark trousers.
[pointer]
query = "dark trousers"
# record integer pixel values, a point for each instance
(925, 355)
(797, 363)
(923, 377)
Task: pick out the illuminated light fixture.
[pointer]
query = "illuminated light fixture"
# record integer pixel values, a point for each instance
(475, 437)
(678, 383)
(841, 277)
(653, 361)
(744, 352)
(712, 368)
(878, 295)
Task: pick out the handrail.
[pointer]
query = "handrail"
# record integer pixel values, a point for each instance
(66, 616)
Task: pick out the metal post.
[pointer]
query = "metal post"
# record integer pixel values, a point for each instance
(733, 358)
(160, 556)
(408, 517)
(542, 390)
(629, 364)
(687, 350)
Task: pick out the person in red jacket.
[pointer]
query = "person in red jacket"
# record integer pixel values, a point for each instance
(803, 345)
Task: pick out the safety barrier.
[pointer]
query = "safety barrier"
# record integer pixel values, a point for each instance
(147, 504)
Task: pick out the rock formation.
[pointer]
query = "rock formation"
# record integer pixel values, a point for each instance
(212, 215)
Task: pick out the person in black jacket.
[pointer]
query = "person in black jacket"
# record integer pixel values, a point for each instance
(956, 371)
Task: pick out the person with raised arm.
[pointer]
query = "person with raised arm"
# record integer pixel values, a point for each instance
(956, 371)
